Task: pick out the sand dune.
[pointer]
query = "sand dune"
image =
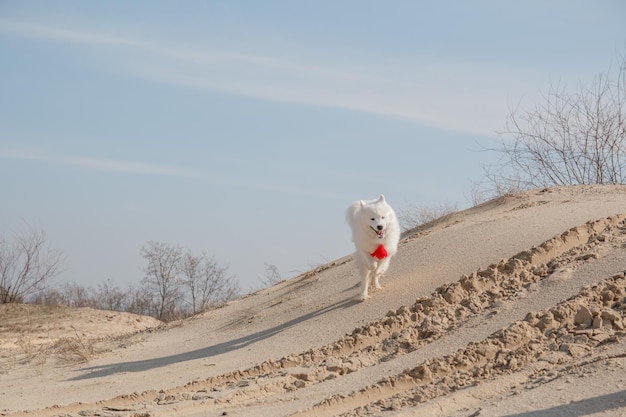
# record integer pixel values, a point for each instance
(515, 308)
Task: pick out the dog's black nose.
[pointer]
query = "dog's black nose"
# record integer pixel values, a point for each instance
(379, 227)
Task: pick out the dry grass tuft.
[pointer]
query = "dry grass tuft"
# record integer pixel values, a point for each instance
(71, 350)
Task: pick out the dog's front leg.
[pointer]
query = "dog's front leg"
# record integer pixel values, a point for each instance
(365, 283)
(381, 268)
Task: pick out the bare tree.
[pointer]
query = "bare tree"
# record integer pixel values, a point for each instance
(26, 265)
(141, 301)
(208, 283)
(217, 285)
(109, 296)
(161, 279)
(190, 268)
(568, 138)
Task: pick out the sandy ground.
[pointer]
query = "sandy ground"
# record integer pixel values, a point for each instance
(515, 308)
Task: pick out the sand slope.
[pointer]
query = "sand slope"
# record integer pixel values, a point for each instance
(515, 307)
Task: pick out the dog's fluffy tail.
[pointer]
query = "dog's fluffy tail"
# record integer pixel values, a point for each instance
(351, 213)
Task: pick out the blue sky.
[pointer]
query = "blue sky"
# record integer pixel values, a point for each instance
(244, 128)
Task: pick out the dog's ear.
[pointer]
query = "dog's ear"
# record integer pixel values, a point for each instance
(381, 198)
(362, 203)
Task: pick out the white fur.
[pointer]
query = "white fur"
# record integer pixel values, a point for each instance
(365, 217)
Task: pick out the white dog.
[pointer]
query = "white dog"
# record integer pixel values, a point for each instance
(375, 233)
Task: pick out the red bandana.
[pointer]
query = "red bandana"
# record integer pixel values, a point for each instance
(379, 253)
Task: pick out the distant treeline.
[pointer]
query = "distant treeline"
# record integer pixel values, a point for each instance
(176, 283)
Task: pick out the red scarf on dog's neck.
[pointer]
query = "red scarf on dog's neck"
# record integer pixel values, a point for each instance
(380, 252)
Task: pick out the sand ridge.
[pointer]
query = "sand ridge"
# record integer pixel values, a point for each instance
(512, 326)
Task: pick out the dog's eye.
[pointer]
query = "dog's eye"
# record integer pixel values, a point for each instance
(373, 219)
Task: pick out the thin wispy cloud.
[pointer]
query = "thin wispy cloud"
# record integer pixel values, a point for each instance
(179, 52)
(106, 165)
(58, 34)
(95, 164)
(282, 189)
(431, 96)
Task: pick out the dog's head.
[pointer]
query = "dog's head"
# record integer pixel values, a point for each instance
(377, 215)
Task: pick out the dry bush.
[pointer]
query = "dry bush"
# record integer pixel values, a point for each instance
(415, 215)
(272, 276)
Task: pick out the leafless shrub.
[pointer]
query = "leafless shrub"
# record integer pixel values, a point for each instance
(567, 139)
(76, 295)
(416, 215)
(26, 266)
(477, 194)
(48, 297)
(109, 296)
(272, 275)
(68, 294)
